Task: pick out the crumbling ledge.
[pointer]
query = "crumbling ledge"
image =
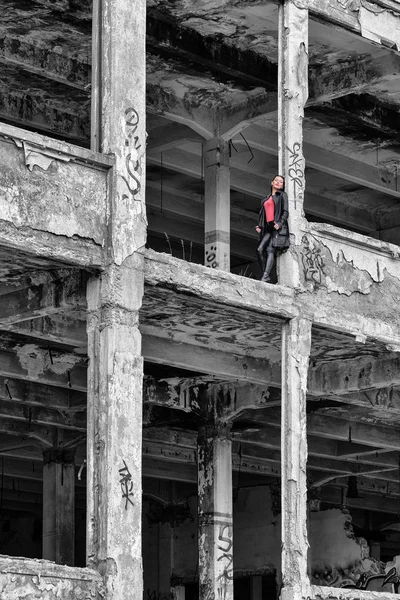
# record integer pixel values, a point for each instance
(30, 579)
(329, 593)
(217, 286)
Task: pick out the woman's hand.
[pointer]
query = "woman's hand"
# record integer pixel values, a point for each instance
(276, 226)
(258, 229)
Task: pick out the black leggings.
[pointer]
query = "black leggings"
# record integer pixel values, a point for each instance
(266, 254)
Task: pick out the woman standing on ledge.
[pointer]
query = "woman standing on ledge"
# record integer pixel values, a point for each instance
(272, 226)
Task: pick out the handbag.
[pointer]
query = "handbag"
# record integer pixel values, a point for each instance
(280, 238)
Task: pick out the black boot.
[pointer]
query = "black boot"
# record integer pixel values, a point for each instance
(268, 267)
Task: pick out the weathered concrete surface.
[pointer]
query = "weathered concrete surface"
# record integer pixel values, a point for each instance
(295, 356)
(119, 119)
(327, 593)
(115, 375)
(374, 21)
(28, 579)
(163, 269)
(215, 506)
(205, 104)
(114, 466)
(46, 187)
(355, 275)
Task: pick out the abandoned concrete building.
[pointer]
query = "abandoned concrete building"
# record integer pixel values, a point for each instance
(171, 427)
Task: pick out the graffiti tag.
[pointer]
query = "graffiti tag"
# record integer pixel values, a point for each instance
(126, 484)
(296, 170)
(132, 159)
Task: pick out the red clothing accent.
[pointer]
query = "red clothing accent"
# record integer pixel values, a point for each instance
(269, 207)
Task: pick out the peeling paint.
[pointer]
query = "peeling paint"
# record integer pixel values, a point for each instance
(36, 361)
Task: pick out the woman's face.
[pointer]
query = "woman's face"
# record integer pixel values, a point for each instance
(278, 183)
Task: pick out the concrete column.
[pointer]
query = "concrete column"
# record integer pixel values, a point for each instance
(115, 372)
(118, 120)
(114, 466)
(292, 96)
(59, 506)
(296, 343)
(215, 513)
(217, 204)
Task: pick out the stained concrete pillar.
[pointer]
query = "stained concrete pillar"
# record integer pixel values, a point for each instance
(215, 513)
(59, 506)
(115, 370)
(217, 204)
(296, 343)
(114, 462)
(292, 96)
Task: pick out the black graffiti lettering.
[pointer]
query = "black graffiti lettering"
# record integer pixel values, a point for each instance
(296, 171)
(132, 120)
(227, 540)
(226, 548)
(126, 484)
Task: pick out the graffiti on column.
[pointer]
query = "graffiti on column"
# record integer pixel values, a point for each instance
(126, 484)
(296, 170)
(224, 547)
(211, 256)
(132, 159)
(313, 262)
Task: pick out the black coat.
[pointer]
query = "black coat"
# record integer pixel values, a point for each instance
(281, 214)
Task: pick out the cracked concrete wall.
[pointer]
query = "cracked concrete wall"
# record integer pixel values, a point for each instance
(349, 270)
(29, 579)
(41, 189)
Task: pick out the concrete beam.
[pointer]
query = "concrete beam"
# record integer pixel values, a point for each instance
(328, 81)
(22, 51)
(323, 448)
(59, 328)
(211, 362)
(35, 415)
(330, 427)
(24, 106)
(28, 393)
(357, 171)
(181, 161)
(170, 135)
(354, 375)
(230, 398)
(54, 296)
(40, 434)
